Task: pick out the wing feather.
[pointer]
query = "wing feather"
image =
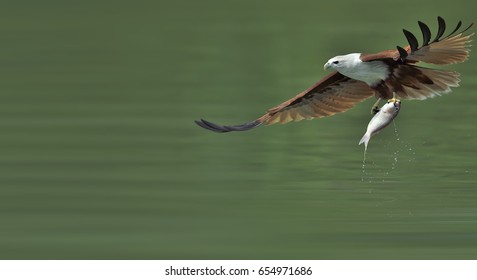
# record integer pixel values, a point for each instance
(443, 50)
(333, 94)
(413, 82)
(426, 33)
(453, 48)
(441, 29)
(339, 95)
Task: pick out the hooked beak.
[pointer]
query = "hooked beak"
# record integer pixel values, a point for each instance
(326, 66)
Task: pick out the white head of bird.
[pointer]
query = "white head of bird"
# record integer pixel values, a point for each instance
(343, 62)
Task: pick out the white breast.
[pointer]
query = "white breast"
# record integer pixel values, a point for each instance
(371, 72)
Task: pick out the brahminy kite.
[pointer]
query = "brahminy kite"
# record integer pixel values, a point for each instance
(385, 75)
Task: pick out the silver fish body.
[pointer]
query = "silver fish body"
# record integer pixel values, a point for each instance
(383, 118)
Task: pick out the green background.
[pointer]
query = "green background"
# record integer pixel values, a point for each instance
(100, 158)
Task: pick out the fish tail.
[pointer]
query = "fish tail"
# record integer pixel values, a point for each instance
(365, 140)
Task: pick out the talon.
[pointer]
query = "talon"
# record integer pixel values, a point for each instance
(375, 110)
(375, 107)
(394, 99)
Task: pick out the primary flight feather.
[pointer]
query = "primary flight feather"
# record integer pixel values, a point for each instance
(386, 74)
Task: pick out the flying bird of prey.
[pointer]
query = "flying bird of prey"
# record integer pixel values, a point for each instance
(387, 74)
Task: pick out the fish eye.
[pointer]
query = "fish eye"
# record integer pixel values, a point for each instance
(336, 62)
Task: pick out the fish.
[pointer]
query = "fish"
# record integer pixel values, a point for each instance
(381, 119)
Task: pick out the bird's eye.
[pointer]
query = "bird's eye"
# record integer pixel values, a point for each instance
(336, 62)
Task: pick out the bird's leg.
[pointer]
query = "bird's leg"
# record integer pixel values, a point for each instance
(375, 108)
(394, 99)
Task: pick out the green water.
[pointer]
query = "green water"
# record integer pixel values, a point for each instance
(100, 158)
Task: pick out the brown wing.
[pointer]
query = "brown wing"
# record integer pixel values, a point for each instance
(413, 82)
(452, 48)
(333, 94)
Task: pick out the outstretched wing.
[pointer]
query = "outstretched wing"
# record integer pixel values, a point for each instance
(333, 94)
(453, 48)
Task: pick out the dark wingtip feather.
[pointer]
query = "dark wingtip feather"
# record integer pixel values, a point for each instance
(204, 125)
(459, 25)
(402, 52)
(227, 128)
(441, 29)
(468, 27)
(455, 29)
(411, 39)
(426, 33)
